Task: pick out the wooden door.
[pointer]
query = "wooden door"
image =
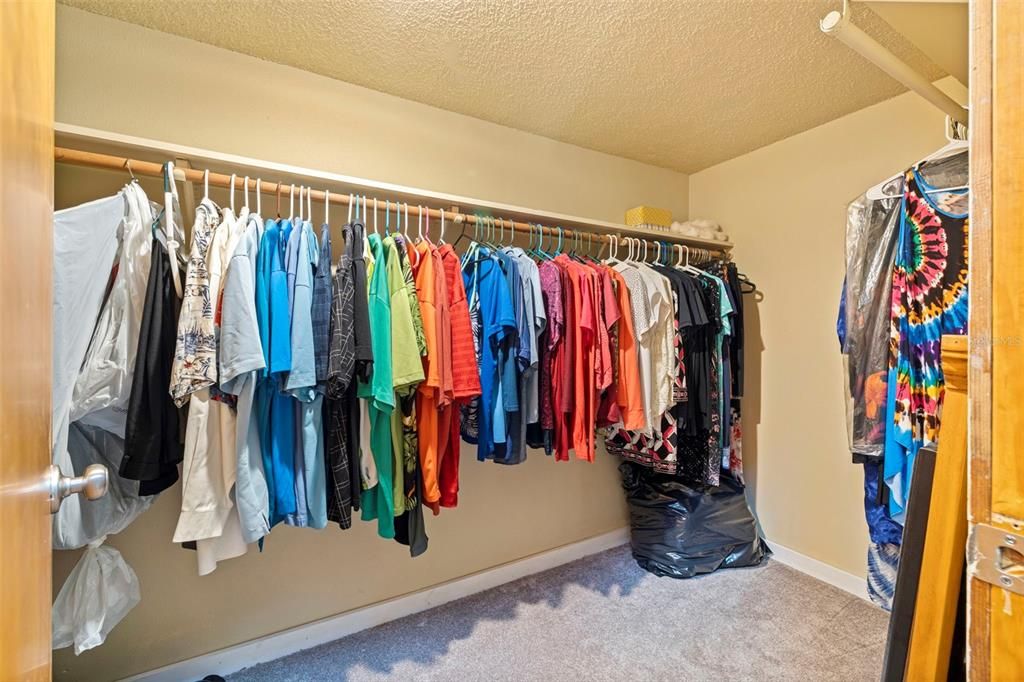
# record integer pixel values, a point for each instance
(26, 216)
(996, 402)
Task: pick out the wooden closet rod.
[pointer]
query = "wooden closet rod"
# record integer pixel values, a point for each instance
(119, 163)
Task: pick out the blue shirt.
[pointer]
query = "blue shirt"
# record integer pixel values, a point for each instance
(274, 411)
(483, 278)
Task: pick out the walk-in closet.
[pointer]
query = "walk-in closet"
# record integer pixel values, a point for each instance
(539, 340)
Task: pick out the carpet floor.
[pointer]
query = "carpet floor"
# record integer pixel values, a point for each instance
(604, 618)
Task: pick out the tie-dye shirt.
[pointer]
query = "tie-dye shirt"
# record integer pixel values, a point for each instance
(929, 299)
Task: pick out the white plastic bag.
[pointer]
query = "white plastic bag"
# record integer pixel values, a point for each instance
(100, 591)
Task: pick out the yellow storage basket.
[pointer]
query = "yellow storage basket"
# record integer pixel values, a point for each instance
(649, 215)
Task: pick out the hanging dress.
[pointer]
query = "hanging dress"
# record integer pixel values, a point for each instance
(929, 299)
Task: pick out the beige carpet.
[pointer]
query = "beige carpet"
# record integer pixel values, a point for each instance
(603, 618)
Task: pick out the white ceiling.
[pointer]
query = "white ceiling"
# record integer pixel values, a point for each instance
(682, 84)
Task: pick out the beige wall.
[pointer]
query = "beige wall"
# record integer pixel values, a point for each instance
(127, 79)
(785, 208)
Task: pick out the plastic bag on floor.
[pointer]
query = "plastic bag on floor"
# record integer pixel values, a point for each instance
(681, 531)
(100, 591)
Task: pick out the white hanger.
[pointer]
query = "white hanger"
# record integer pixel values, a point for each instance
(375, 231)
(246, 182)
(206, 183)
(407, 223)
(259, 198)
(170, 198)
(419, 224)
(233, 177)
(613, 250)
(309, 204)
(351, 200)
(291, 203)
(953, 145)
(441, 239)
(327, 207)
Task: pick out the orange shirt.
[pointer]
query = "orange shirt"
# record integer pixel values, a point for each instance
(465, 375)
(428, 393)
(630, 392)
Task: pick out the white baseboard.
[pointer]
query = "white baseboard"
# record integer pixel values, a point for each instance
(270, 647)
(855, 585)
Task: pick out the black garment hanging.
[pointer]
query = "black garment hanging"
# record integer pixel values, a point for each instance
(152, 438)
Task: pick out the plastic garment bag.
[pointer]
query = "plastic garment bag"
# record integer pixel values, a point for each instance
(872, 228)
(101, 391)
(102, 362)
(681, 531)
(100, 591)
(101, 264)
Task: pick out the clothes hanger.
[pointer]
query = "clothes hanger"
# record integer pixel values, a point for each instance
(206, 184)
(327, 207)
(170, 199)
(954, 144)
(375, 212)
(232, 191)
(128, 166)
(613, 250)
(259, 197)
(440, 239)
(279, 201)
(291, 204)
(351, 200)
(246, 193)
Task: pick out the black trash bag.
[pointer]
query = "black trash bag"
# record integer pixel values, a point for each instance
(681, 531)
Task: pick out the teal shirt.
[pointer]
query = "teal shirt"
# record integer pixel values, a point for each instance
(378, 501)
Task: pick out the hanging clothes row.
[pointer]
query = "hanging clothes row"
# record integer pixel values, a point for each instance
(906, 286)
(314, 380)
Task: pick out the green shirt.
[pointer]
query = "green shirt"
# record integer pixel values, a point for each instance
(378, 501)
(405, 360)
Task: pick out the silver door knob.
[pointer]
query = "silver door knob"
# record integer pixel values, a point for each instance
(93, 483)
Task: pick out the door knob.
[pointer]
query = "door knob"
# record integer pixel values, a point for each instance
(93, 483)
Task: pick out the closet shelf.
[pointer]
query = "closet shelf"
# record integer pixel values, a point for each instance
(112, 151)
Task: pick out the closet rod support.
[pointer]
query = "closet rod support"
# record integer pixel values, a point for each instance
(838, 25)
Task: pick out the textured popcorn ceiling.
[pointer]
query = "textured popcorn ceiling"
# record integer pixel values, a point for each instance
(682, 84)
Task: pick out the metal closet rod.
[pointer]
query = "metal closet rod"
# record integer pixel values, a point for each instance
(120, 163)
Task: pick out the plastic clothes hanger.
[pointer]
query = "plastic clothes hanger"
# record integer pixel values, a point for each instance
(170, 199)
(327, 207)
(206, 184)
(259, 197)
(954, 144)
(246, 192)
(309, 204)
(232, 190)
(441, 237)
(351, 200)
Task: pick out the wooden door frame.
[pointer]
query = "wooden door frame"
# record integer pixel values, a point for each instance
(996, 339)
